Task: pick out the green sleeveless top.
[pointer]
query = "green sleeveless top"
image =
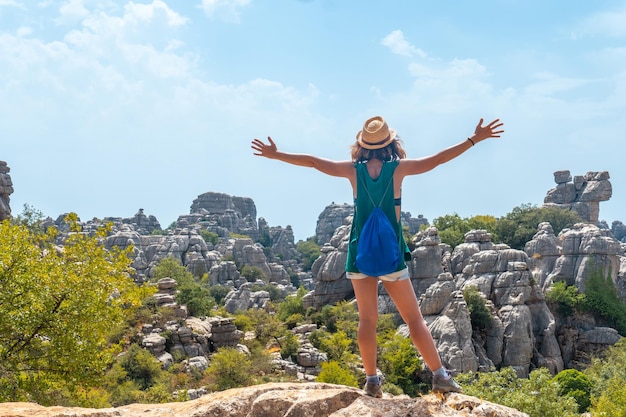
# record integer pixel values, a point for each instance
(363, 207)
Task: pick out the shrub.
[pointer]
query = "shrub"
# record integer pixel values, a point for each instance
(538, 395)
(292, 305)
(480, 315)
(608, 373)
(333, 373)
(400, 362)
(577, 385)
(229, 368)
(520, 225)
(210, 237)
(310, 251)
(567, 298)
(253, 273)
(601, 298)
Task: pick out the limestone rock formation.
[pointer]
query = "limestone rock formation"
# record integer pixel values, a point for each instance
(334, 215)
(6, 189)
(583, 195)
(222, 214)
(285, 400)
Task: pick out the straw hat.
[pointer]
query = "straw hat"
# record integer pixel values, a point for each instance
(375, 134)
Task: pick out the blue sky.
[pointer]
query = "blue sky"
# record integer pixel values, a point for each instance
(108, 106)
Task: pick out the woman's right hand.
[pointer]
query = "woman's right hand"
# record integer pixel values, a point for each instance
(263, 149)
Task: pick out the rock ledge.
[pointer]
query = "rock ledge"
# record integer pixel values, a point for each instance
(285, 400)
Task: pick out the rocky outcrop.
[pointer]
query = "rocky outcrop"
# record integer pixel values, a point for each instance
(582, 195)
(330, 219)
(222, 214)
(584, 249)
(286, 400)
(334, 215)
(6, 189)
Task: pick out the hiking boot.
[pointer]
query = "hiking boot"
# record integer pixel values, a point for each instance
(373, 389)
(443, 384)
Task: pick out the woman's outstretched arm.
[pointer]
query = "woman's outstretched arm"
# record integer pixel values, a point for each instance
(327, 166)
(421, 165)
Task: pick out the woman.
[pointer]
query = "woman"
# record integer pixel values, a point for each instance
(379, 164)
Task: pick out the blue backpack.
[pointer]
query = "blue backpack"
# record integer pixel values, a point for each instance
(378, 251)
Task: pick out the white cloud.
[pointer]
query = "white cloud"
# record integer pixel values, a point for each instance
(148, 12)
(71, 12)
(612, 24)
(398, 45)
(227, 10)
(8, 3)
(23, 31)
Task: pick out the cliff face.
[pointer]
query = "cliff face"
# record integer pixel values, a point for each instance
(285, 400)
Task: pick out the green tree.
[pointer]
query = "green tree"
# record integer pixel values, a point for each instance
(191, 292)
(137, 365)
(310, 251)
(452, 228)
(520, 225)
(253, 273)
(601, 299)
(30, 218)
(567, 298)
(229, 368)
(576, 384)
(57, 307)
(608, 373)
(292, 305)
(170, 267)
(219, 292)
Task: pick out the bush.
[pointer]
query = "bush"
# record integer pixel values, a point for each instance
(566, 297)
(253, 273)
(400, 362)
(480, 315)
(520, 225)
(333, 373)
(577, 385)
(210, 237)
(229, 368)
(452, 228)
(538, 395)
(219, 292)
(601, 298)
(608, 373)
(310, 251)
(292, 305)
(140, 367)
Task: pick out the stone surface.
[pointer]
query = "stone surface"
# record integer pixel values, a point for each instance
(6, 189)
(583, 195)
(285, 400)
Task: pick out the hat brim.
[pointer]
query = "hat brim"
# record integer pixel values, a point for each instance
(379, 145)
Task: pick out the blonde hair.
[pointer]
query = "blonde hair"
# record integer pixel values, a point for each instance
(391, 152)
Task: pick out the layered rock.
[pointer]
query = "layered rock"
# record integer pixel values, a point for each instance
(286, 400)
(6, 189)
(582, 195)
(583, 250)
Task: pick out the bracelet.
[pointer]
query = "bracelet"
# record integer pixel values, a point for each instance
(471, 141)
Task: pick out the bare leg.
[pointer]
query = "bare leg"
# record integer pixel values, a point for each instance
(403, 296)
(366, 292)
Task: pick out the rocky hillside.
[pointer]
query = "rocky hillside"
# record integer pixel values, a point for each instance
(285, 400)
(525, 332)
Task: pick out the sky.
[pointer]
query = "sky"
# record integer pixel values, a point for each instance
(109, 106)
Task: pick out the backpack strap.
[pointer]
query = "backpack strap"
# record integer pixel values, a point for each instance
(370, 195)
